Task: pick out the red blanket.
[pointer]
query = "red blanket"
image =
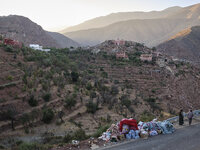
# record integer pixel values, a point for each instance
(132, 123)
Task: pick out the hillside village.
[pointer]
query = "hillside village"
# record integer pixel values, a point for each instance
(86, 89)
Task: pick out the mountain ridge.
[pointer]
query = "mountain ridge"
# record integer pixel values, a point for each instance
(103, 21)
(184, 45)
(24, 30)
(151, 32)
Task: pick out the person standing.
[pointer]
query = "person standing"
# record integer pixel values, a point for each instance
(181, 117)
(190, 116)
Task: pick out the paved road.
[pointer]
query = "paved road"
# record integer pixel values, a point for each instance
(187, 138)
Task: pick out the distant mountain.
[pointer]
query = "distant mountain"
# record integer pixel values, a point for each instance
(121, 16)
(184, 45)
(149, 31)
(23, 29)
(62, 40)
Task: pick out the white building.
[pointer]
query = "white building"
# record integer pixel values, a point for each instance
(38, 47)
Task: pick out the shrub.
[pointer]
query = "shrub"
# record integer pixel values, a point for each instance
(70, 102)
(67, 138)
(32, 102)
(74, 76)
(101, 69)
(89, 86)
(79, 135)
(60, 115)
(125, 101)
(10, 77)
(116, 82)
(100, 131)
(104, 74)
(25, 119)
(114, 90)
(47, 97)
(27, 146)
(153, 104)
(153, 90)
(48, 115)
(8, 48)
(150, 100)
(33, 146)
(91, 107)
(2, 147)
(93, 94)
(146, 116)
(25, 79)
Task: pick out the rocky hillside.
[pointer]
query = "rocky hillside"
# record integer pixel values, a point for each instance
(63, 91)
(24, 30)
(62, 40)
(183, 45)
(151, 31)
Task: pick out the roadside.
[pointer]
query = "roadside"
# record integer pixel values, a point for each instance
(185, 138)
(159, 142)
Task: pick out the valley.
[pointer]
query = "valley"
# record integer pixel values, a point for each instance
(61, 88)
(86, 89)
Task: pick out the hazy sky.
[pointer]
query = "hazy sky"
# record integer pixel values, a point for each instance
(51, 14)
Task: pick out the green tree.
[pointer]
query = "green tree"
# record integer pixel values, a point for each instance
(114, 90)
(74, 76)
(91, 107)
(32, 101)
(25, 119)
(60, 115)
(10, 114)
(125, 101)
(48, 115)
(47, 97)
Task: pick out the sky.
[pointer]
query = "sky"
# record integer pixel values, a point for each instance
(54, 15)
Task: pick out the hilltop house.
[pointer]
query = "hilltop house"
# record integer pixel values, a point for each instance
(38, 47)
(121, 55)
(119, 42)
(96, 51)
(146, 57)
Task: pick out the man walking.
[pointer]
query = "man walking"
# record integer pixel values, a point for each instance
(190, 116)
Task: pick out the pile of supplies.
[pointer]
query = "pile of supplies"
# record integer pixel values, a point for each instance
(130, 129)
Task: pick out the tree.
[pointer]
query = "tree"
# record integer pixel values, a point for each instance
(91, 107)
(114, 90)
(60, 115)
(104, 74)
(25, 119)
(32, 101)
(47, 97)
(74, 76)
(80, 134)
(48, 115)
(125, 101)
(9, 114)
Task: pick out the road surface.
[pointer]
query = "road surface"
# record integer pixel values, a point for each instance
(187, 138)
